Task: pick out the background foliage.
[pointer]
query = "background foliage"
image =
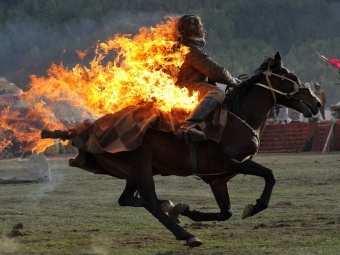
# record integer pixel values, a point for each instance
(240, 33)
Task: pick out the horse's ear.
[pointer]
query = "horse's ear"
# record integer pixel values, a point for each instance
(277, 56)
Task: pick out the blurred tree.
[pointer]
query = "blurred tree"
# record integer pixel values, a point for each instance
(240, 33)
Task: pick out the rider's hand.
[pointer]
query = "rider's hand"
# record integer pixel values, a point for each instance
(237, 80)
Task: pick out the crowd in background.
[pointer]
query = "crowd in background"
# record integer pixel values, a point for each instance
(279, 114)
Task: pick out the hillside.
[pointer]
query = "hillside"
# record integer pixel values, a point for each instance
(240, 33)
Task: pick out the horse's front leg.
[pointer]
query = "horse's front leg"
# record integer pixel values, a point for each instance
(221, 193)
(253, 168)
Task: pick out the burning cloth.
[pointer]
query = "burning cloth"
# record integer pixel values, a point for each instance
(124, 130)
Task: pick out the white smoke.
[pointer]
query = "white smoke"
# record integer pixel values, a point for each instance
(7, 245)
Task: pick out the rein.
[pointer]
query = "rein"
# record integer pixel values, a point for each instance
(255, 132)
(269, 73)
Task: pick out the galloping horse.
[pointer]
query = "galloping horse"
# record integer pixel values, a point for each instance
(160, 153)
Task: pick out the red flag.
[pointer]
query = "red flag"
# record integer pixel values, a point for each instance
(334, 62)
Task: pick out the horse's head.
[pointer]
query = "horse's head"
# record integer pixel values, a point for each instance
(287, 89)
(284, 87)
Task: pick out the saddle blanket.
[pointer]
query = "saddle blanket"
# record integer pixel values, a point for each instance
(124, 130)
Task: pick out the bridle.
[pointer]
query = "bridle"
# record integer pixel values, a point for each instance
(296, 87)
(267, 73)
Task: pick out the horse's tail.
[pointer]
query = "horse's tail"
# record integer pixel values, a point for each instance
(61, 134)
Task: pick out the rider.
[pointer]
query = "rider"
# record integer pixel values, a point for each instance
(199, 73)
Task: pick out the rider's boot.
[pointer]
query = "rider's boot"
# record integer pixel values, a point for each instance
(189, 131)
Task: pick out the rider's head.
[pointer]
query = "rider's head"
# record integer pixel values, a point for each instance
(191, 26)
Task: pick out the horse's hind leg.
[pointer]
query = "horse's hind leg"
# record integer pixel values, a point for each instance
(221, 193)
(252, 168)
(130, 196)
(146, 187)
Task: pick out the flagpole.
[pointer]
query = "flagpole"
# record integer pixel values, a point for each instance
(329, 135)
(325, 60)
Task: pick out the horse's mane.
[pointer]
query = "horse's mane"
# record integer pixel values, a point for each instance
(234, 98)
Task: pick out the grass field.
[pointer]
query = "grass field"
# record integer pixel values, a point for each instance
(77, 213)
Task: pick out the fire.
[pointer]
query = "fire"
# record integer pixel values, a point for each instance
(26, 130)
(125, 71)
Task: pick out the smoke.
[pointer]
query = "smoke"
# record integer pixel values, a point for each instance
(41, 189)
(7, 245)
(100, 248)
(30, 47)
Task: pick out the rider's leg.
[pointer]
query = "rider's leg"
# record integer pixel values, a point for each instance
(212, 97)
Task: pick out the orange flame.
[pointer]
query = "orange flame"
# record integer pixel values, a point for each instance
(82, 54)
(144, 68)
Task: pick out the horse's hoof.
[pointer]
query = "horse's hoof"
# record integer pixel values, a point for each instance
(175, 217)
(166, 206)
(248, 211)
(179, 208)
(194, 242)
(175, 212)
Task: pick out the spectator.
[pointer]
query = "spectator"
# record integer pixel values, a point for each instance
(316, 117)
(321, 95)
(283, 115)
(272, 117)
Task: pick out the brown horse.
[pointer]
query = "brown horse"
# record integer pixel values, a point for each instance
(160, 153)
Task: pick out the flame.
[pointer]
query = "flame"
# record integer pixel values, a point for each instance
(82, 54)
(125, 71)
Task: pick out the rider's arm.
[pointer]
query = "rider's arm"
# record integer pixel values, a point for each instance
(215, 72)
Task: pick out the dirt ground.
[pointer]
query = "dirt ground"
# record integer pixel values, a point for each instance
(77, 213)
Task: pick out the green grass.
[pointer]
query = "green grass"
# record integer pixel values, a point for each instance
(77, 213)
